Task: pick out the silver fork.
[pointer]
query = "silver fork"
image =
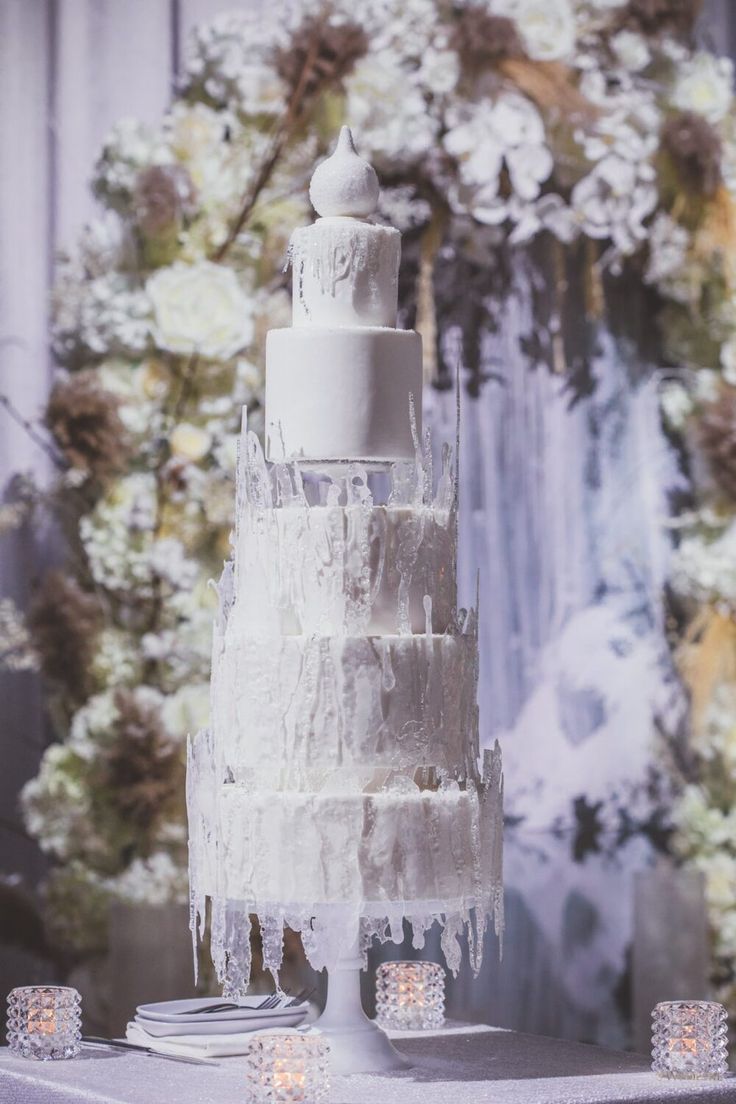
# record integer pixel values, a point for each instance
(230, 1006)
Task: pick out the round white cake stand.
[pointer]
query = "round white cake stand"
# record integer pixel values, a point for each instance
(357, 1044)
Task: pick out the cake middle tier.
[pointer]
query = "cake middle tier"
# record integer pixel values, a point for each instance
(291, 712)
(342, 394)
(345, 570)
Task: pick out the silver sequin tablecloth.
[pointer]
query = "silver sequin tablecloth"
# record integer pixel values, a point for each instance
(463, 1065)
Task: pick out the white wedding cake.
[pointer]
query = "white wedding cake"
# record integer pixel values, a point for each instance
(338, 790)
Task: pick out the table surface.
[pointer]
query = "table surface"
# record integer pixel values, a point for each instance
(465, 1064)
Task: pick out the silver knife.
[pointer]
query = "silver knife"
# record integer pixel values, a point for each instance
(95, 1040)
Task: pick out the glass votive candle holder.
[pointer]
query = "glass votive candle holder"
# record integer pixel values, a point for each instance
(288, 1067)
(689, 1039)
(44, 1022)
(410, 996)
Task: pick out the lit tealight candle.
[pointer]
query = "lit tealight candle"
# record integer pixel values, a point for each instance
(44, 1022)
(410, 995)
(689, 1039)
(288, 1067)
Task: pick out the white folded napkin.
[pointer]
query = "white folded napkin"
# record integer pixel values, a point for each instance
(194, 1046)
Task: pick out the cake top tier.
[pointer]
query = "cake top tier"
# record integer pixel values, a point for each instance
(344, 184)
(346, 267)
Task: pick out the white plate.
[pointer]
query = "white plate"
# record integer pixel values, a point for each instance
(171, 1017)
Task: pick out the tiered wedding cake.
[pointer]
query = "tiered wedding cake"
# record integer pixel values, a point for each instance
(338, 790)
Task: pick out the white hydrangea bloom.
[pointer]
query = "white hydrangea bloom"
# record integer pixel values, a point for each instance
(225, 452)
(387, 109)
(705, 570)
(116, 535)
(108, 315)
(728, 360)
(547, 28)
(16, 647)
(211, 146)
(169, 561)
(706, 385)
(231, 59)
(676, 403)
(631, 50)
(719, 868)
(92, 723)
(200, 309)
(116, 660)
(485, 136)
(669, 243)
(719, 739)
(187, 711)
(106, 243)
(182, 653)
(439, 70)
(129, 147)
(139, 389)
(704, 84)
(697, 822)
(155, 881)
(409, 27)
(56, 804)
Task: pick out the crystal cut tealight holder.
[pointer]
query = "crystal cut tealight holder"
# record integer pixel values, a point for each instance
(44, 1022)
(288, 1067)
(689, 1039)
(410, 996)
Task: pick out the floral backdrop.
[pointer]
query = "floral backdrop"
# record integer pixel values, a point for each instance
(596, 127)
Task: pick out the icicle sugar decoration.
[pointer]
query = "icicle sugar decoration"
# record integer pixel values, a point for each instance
(339, 788)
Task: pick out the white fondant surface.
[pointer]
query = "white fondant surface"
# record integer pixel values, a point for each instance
(342, 394)
(346, 273)
(344, 184)
(300, 713)
(345, 569)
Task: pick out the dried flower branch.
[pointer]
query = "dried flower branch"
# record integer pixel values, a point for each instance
(695, 151)
(83, 419)
(142, 770)
(64, 621)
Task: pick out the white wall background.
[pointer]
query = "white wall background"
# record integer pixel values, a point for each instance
(68, 70)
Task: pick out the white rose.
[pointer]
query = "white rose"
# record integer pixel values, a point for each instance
(190, 442)
(704, 85)
(547, 27)
(631, 50)
(200, 308)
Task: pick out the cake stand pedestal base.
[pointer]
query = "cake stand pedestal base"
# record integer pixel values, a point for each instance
(357, 1044)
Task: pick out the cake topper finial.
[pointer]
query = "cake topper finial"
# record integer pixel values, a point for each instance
(344, 184)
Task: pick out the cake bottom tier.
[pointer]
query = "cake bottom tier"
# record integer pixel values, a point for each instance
(310, 850)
